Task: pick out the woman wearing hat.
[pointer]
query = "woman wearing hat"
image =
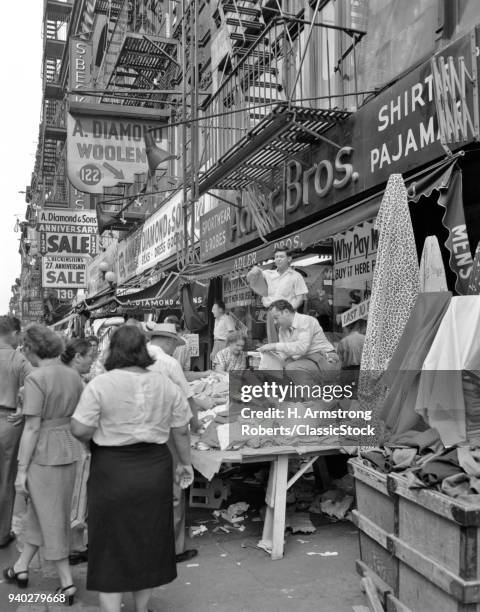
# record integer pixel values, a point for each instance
(129, 413)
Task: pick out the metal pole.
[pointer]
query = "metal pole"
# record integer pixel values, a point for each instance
(317, 6)
(184, 247)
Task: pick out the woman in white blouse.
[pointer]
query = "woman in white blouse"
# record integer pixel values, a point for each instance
(129, 413)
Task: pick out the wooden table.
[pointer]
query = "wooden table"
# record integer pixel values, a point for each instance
(278, 483)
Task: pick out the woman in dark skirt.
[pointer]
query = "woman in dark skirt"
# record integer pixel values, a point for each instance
(129, 413)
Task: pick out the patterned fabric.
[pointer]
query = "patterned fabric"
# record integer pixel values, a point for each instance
(227, 361)
(395, 288)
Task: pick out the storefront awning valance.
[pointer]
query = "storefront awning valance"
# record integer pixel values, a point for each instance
(156, 296)
(435, 178)
(301, 239)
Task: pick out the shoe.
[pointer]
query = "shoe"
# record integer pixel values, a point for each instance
(8, 541)
(69, 592)
(78, 557)
(186, 555)
(13, 577)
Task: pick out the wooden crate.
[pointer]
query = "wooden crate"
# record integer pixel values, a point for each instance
(423, 545)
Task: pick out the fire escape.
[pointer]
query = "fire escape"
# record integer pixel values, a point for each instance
(52, 136)
(262, 111)
(139, 68)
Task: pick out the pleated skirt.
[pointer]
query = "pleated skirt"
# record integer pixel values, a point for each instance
(131, 542)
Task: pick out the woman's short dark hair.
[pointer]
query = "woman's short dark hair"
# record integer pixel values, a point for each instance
(220, 304)
(43, 342)
(128, 348)
(281, 305)
(93, 340)
(79, 345)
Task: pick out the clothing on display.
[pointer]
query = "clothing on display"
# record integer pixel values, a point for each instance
(395, 287)
(455, 348)
(432, 270)
(403, 372)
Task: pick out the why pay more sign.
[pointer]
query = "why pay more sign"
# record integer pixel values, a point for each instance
(354, 254)
(103, 151)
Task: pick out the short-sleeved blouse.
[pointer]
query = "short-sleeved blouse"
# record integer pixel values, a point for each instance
(52, 393)
(127, 407)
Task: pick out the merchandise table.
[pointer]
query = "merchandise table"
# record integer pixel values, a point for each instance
(208, 463)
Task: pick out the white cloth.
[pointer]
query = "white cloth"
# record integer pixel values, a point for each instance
(303, 338)
(127, 407)
(169, 366)
(440, 398)
(285, 286)
(223, 325)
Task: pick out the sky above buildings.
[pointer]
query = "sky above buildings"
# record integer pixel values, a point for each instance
(21, 49)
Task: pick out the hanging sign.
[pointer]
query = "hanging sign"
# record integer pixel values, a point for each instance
(64, 271)
(193, 344)
(80, 68)
(354, 254)
(64, 231)
(360, 311)
(104, 151)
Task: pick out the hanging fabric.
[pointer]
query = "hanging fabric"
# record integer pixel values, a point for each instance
(441, 400)
(395, 287)
(474, 280)
(193, 320)
(404, 369)
(432, 271)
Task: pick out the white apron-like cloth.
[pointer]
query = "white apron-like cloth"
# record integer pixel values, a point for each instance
(395, 287)
(456, 347)
(432, 270)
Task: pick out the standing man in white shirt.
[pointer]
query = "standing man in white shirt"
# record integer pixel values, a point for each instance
(302, 345)
(164, 339)
(284, 283)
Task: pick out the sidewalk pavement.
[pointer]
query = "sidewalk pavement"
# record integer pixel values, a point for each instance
(231, 575)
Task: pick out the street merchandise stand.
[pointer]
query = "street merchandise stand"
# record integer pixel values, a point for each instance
(208, 463)
(419, 546)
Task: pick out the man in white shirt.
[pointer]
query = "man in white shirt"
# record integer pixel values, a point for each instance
(164, 339)
(284, 283)
(302, 345)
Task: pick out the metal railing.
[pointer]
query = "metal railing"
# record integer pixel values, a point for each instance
(137, 18)
(285, 66)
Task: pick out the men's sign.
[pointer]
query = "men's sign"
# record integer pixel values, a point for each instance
(103, 151)
(64, 231)
(60, 272)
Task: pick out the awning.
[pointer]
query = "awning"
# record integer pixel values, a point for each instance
(436, 177)
(301, 239)
(63, 321)
(156, 296)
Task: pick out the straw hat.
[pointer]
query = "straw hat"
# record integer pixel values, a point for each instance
(167, 330)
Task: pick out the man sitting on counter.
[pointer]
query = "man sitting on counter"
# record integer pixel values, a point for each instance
(302, 346)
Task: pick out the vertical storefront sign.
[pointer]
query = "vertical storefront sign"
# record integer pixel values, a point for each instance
(80, 68)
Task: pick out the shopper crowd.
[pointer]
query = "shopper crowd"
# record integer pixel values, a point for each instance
(134, 417)
(130, 408)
